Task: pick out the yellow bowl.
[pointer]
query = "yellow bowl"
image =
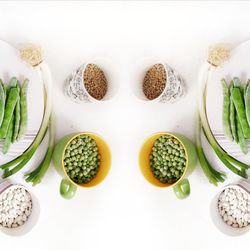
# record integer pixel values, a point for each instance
(58, 158)
(144, 160)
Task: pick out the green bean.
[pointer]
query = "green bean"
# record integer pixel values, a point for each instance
(13, 82)
(240, 134)
(2, 102)
(247, 102)
(232, 116)
(9, 109)
(240, 110)
(226, 110)
(245, 89)
(236, 82)
(24, 111)
(17, 117)
(5, 90)
(8, 138)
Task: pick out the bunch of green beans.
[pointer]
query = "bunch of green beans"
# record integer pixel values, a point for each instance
(236, 112)
(82, 159)
(167, 159)
(13, 112)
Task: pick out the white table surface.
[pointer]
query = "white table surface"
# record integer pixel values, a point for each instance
(124, 212)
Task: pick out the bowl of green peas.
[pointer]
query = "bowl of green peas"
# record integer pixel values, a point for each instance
(83, 160)
(166, 159)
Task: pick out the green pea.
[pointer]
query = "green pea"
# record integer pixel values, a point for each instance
(156, 173)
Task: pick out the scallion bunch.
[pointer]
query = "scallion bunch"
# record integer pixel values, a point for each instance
(230, 162)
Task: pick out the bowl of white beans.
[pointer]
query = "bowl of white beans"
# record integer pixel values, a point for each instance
(19, 209)
(230, 209)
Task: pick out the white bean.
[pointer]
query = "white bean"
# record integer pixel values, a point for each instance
(15, 207)
(234, 207)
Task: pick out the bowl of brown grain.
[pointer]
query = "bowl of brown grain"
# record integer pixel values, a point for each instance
(155, 81)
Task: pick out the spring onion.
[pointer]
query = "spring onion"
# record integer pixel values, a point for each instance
(35, 177)
(213, 175)
(230, 162)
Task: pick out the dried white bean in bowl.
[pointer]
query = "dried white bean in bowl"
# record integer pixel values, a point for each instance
(15, 206)
(233, 207)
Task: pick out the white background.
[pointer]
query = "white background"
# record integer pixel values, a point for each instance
(124, 212)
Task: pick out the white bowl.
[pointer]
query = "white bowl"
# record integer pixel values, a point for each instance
(74, 87)
(216, 217)
(33, 218)
(175, 86)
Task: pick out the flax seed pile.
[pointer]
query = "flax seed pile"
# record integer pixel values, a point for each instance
(95, 81)
(155, 81)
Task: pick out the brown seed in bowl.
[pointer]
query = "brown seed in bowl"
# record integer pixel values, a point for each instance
(154, 81)
(95, 81)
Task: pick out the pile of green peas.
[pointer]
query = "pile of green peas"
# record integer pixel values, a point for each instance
(167, 159)
(82, 159)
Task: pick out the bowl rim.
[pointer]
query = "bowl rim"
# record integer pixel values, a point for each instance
(85, 185)
(98, 61)
(234, 186)
(175, 135)
(13, 186)
(144, 70)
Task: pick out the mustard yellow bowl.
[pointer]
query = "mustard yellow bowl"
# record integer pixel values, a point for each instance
(69, 187)
(182, 186)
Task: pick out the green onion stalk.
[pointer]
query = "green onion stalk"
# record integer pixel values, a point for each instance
(35, 177)
(18, 163)
(213, 175)
(230, 162)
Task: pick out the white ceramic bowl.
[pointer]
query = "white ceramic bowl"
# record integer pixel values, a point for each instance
(175, 86)
(216, 217)
(33, 218)
(74, 87)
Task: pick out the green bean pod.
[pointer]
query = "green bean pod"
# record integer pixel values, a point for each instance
(5, 91)
(2, 102)
(13, 82)
(247, 102)
(9, 110)
(245, 90)
(232, 116)
(226, 110)
(240, 134)
(240, 110)
(236, 82)
(8, 138)
(24, 110)
(17, 117)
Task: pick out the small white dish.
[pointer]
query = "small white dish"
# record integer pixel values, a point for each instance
(175, 86)
(74, 87)
(31, 221)
(216, 217)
